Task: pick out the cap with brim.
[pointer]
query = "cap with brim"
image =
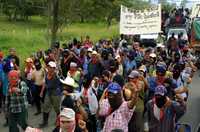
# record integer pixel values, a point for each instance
(161, 67)
(68, 113)
(142, 68)
(153, 55)
(69, 82)
(160, 90)
(29, 60)
(89, 50)
(52, 64)
(114, 88)
(134, 74)
(185, 76)
(117, 56)
(73, 64)
(160, 45)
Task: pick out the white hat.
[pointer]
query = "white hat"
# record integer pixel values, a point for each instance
(94, 52)
(73, 64)
(52, 64)
(68, 113)
(89, 50)
(152, 55)
(29, 60)
(69, 81)
(142, 68)
(160, 45)
(134, 74)
(30, 129)
(117, 56)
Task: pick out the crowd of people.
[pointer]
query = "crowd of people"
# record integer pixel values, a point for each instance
(110, 86)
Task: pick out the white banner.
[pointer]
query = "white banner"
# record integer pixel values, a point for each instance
(140, 21)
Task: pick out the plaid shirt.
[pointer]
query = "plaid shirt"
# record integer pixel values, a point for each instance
(15, 103)
(118, 119)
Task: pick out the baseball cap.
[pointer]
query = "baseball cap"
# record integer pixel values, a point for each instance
(160, 90)
(114, 88)
(142, 68)
(134, 74)
(153, 55)
(52, 64)
(29, 60)
(117, 56)
(161, 67)
(68, 113)
(73, 64)
(89, 50)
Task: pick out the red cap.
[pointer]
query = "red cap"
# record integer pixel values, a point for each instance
(1, 54)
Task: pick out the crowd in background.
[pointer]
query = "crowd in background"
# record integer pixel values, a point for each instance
(110, 86)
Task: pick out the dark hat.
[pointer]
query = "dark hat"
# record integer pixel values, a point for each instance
(114, 88)
(160, 90)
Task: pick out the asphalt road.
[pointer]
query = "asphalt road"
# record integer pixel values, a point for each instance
(191, 117)
(33, 121)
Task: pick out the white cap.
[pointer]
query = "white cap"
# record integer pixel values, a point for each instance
(73, 64)
(89, 50)
(142, 68)
(160, 45)
(52, 64)
(152, 55)
(117, 56)
(68, 113)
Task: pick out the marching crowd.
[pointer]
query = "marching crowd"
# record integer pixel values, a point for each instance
(111, 86)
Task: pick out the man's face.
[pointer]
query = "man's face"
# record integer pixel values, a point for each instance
(66, 124)
(160, 75)
(160, 100)
(12, 52)
(73, 68)
(105, 78)
(51, 70)
(133, 80)
(146, 56)
(114, 99)
(136, 46)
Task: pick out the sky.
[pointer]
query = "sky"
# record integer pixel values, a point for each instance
(188, 5)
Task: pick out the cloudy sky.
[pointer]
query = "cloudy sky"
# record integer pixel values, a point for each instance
(189, 2)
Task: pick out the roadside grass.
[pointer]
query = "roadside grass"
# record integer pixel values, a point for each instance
(31, 36)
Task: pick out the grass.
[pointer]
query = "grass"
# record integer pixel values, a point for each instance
(28, 37)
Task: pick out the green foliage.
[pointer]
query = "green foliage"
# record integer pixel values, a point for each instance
(28, 37)
(167, 7)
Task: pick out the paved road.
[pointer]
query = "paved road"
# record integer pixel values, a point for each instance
(191, 117)
(33, 120)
